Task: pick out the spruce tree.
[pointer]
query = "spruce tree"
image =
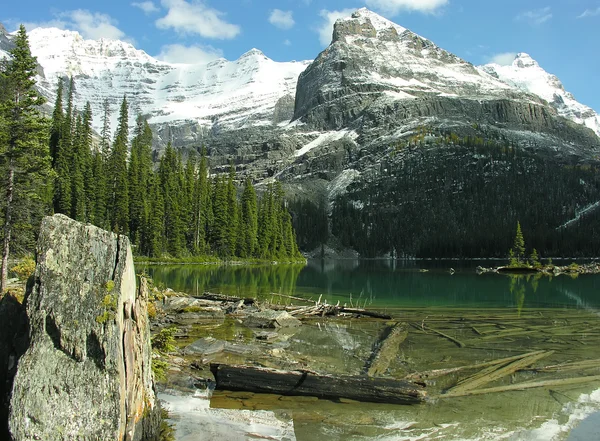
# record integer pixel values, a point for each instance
(86, 162)
(170, 180)
(140, 170)
(201, 207)
(232, 213)
(248, 241)
(63, 164)
(220, 223)
(24, 149)
(57, 121)
(519, 245)
(78, 204)
(118, 189)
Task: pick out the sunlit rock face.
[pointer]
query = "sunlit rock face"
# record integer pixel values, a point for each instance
(87, 371)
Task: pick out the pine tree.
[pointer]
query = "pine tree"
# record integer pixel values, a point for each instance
(248, 240)
(153, 245)
(63, 164)
(85, 138)
(232, 213)
(201, 207)
(140, 170)
(24, 149)
(519, 245)
(220, 223)
(57, 121)
(170, 180)
(118, 189)
(105, 133)
(78, 205)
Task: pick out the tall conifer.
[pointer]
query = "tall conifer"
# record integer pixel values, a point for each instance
(24, 147)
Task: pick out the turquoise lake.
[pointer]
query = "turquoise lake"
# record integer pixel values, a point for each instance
(493, 316)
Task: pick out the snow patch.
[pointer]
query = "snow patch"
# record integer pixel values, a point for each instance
(325, 138)
(338, 186)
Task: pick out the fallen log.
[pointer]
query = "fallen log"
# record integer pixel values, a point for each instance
(366, 313)
(307, 383)
(225, 298)
(386, 349)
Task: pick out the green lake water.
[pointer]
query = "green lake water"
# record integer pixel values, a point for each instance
(493, 316)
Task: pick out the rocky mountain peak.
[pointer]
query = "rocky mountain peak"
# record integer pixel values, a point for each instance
(526, 74)
(366, 24)
(523, 61)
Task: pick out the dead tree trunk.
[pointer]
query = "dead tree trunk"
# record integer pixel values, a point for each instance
(387, 348)
(305, 383)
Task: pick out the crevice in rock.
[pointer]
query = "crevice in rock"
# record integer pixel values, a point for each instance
(95, 351)
(117, 257)
(55, 335)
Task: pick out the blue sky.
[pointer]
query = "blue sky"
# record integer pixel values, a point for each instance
(562, 35)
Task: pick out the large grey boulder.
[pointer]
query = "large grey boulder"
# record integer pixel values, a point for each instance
(87, 372)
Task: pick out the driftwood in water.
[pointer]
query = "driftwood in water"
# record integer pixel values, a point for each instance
(306, 383)
(528, 385)
(225, 298)
(435, 373)
(425, 328)
(494, 373)
(577, 365)
(386, 349)
(323, 309)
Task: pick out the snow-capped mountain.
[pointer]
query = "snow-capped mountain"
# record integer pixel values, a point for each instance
(229, 94)
(526, 74)
(368, 52)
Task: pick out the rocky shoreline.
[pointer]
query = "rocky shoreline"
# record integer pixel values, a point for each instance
(549, 270)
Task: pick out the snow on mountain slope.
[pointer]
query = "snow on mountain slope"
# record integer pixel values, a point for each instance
(406, 62)
(526, 74)
(227, 93)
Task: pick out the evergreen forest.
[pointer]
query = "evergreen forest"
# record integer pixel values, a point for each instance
(172, 208)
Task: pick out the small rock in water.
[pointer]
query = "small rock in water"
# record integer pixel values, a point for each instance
(205, 346)
(271, 319)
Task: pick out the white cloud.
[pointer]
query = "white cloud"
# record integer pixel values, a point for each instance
(590, 13)
(325, 30)
(195, 17)
(148, 7)
(287, 42)
(178, 53)
(30, 25)
(393, 7)
(93, 25)
(503, 59)
(281, 19)
(536, 16)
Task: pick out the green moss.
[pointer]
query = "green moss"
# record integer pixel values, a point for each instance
(105, 316)
(110, 285)
(192, 309)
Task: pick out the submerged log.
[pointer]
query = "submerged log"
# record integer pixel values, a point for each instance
(494, 373)
(435, 373)
(307, 383)
(523, 386)
(386, 349)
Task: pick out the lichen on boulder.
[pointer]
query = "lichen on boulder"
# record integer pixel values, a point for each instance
(86, 374)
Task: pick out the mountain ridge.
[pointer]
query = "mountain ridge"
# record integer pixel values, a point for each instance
(180, 93)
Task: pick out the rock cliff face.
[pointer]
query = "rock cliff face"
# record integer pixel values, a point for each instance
(86, 374)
